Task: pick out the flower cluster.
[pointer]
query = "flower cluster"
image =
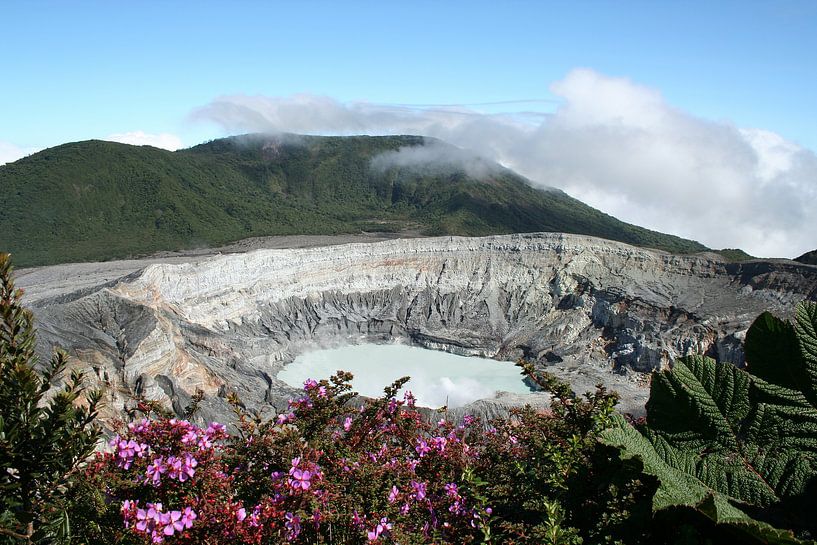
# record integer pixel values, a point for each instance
(328, 470)
(154, 522)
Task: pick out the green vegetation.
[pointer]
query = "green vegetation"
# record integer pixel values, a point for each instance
(735, 254)
(45, 434)
(809, 258)
(738, 447)
(97, 200)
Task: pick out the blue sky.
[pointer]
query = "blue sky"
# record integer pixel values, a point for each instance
(700, 76)
(76, 70)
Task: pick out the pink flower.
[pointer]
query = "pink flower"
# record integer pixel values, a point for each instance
(155, 470)
(310, 383)
(188, 516)
(300, 479)
(174, 523)
(142, 520)
(216, 429)
(439, 443)
(393, 494)
(241, 514)
(357, 520)
(181, 469)
(255, 517)
(382, 527)
(422, 447)
(293, 525)
(451, 490)
(419, 490)
(347, 423)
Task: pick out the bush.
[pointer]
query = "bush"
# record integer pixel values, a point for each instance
(336, 470)
(46, 432)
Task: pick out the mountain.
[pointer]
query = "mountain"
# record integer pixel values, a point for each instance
(96, 200)
(809, 258)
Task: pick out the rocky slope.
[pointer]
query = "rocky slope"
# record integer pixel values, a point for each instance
(589, 309)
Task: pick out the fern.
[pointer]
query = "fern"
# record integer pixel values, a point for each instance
(739, 446)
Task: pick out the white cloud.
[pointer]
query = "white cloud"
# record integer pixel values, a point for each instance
(615, 144)
(10, 153)
(437, 157)
(139, 138)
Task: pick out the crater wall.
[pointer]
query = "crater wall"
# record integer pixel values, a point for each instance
(588, 309)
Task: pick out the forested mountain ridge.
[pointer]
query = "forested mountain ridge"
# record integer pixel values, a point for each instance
(97, 200)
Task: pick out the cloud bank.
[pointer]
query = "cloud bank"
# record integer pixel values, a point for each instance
(139, 138)
(612, 143)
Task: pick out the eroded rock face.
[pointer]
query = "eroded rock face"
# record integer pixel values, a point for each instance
(591, 310)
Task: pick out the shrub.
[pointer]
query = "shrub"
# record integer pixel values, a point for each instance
(46, 432)
(333, 469)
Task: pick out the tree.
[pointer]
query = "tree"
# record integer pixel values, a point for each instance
(47, 431)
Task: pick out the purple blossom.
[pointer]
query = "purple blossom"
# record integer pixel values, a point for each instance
(382, 527)
(422, 447)
(300, 479)
(155, 470)
(293, 525)
(181, 469)
(439, 443)
(216, 429)
(188, 516)
(419, 490)
(393, 494)
(174, 523)
(255, 517)
(347, 423)
(357, 520)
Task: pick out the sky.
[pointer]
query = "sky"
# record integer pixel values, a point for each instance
(694, 118)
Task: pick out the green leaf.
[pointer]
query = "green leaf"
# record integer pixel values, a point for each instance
(728, 442)
(681, 489)
(772, 352)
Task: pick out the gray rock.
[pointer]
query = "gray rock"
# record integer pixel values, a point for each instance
(589, 310)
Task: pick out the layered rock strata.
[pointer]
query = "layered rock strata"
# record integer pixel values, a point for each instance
(588, 309)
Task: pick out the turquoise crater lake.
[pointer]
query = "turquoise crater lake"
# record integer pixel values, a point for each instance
(437, 378)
